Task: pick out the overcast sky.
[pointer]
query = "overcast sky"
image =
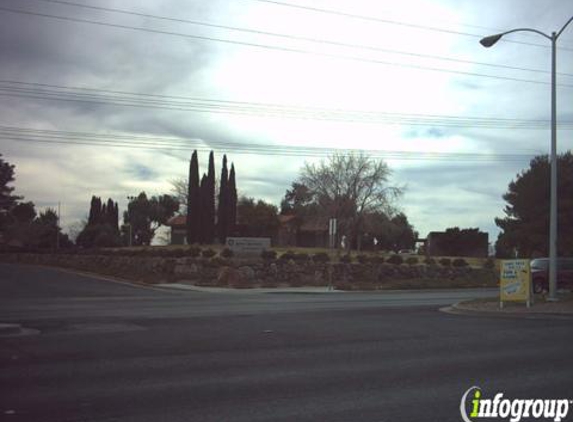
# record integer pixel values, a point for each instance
(101, 102)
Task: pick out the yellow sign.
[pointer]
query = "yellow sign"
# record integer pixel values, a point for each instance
(515, 281)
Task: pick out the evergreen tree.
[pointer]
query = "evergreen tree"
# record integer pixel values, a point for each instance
(194, 198)
(209, 200)
(232, 201)
(109, 212)
(116, 218)
(103, 215)
(223, 211)
(7, 200)
(95, 211)
(102, 228)
(203, 234)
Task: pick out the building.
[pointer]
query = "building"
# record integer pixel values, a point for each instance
(468, 243)
(178, 226)
(309, 233)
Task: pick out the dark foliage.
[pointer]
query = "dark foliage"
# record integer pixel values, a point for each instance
(395, 260)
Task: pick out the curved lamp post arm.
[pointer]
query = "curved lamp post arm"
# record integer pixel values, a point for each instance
(492, 39)
(527, 30)
(564, 26)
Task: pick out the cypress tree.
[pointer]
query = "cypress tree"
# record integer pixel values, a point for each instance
(103, 215)
(193, 201)
(93, 213)
(232, 201)
(223, 211)
(97, 210)
(116, 218)
(209, 199)
(203, 233)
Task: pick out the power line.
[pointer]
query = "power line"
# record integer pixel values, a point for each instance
(20, 134)
(280, 48)
(180, 103)
(296, 37)
(393, 22)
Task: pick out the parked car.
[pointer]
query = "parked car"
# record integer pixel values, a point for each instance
(540, 274)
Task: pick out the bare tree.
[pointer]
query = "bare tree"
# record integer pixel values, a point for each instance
(348, 187)
(179, 189)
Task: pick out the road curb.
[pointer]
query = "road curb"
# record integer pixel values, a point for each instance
(456, 309)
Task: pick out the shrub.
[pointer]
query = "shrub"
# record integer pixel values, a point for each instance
(363, 259)
(459, 262)
(376, 259)
(395, 260)
(489, 264)
(208, 253)
(321, 257)
(445, 262)
(226, 253)
(346, 258)
(268, 255)
(194, 251)
(301, 257)
(412, 260)
(430, 261)
(288, 255)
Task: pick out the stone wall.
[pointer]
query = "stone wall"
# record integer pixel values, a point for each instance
(245, 273)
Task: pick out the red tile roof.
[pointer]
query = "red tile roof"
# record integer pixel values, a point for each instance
(285, 218)
(178, 220)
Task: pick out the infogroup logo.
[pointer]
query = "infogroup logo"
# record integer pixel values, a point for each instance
(474, 407)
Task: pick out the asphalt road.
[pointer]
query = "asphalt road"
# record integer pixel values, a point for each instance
(115, 352)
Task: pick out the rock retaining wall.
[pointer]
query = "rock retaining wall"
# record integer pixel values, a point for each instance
(245, 273)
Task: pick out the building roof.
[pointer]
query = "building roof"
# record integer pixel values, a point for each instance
(316, 224)
(286, 218)
(177, 221)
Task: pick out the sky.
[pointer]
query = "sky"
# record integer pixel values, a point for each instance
(110, 98)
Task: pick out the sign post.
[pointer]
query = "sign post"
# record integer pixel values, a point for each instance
(515, 282)
(332, 233)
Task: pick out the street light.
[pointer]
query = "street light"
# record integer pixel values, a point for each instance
(488, 42)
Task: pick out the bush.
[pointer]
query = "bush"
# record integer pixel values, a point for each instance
(445, 262)
(347, 259)
(395, 260)
(194, 251)
(268, 255)
(489, 264)
(430, 261)
(301, 257)
(208, 253)
(363, 259)
(321, 257)
(376, 259)
(412, 260)
(459, 262)
(288, 255)
(226, 253)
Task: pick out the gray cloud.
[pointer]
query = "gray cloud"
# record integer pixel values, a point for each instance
(440, 193)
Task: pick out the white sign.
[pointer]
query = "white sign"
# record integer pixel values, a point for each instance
(248, 245)
(332, 226)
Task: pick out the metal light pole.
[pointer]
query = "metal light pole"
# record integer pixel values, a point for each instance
(488, 42)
